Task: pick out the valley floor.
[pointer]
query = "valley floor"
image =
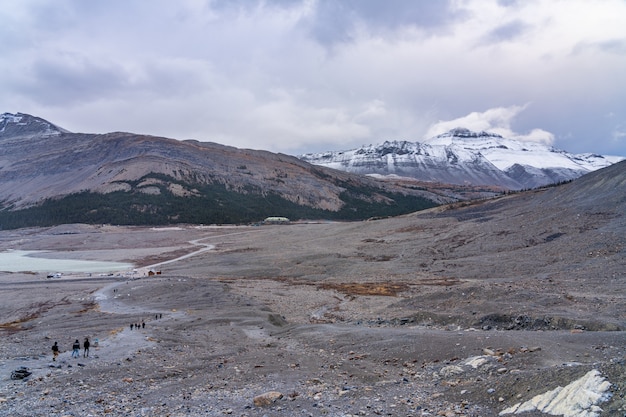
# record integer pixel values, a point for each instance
(337, 329)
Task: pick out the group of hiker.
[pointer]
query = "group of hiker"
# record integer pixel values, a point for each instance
(75, 349)
(86, 343)
(138, 326)
(142, 325)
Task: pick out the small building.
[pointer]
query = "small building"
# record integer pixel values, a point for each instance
(276, 220)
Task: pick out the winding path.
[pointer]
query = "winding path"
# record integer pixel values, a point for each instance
(204, 247)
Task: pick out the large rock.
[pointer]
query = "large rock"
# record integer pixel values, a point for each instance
(578, 399)
(20, 373)
(267, 398)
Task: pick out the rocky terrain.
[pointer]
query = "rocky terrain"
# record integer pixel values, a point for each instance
(509, 305)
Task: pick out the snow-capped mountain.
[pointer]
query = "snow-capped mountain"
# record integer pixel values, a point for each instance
(25, 125)
(465, 157)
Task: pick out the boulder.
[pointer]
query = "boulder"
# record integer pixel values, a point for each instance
(20, 373)
(267, 398)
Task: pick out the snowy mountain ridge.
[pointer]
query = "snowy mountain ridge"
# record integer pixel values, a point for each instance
(461, 156)
(25, 125)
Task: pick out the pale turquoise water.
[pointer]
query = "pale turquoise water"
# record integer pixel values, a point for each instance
(23, 260)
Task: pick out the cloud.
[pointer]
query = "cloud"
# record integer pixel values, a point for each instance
(497, 120)
(506, 32)
(339, 21)
(69, 78)
(619, 134)
(613, 46)
(313, 75)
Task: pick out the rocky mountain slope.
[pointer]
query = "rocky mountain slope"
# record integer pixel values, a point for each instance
(128, 178)
(464, 157)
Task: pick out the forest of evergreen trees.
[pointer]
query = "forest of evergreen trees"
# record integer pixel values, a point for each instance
(214, 205)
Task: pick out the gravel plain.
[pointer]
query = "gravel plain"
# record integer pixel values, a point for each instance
(456, 311)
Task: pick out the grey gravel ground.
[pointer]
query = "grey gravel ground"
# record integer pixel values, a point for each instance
(370, 318)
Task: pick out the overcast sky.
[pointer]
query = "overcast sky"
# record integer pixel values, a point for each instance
(297, 76)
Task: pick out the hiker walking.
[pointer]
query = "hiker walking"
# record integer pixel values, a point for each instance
(86, 348)
(55, 351)
(76, 349)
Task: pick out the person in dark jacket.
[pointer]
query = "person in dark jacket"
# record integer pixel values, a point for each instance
(86, 348)
(76, 349)
(55, 351)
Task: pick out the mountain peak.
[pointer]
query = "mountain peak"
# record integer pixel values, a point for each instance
(462, 132)
(25, 125)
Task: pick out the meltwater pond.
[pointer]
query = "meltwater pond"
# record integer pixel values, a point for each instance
(29, 260)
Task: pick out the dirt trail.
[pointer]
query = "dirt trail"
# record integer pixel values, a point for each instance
(204, 247)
